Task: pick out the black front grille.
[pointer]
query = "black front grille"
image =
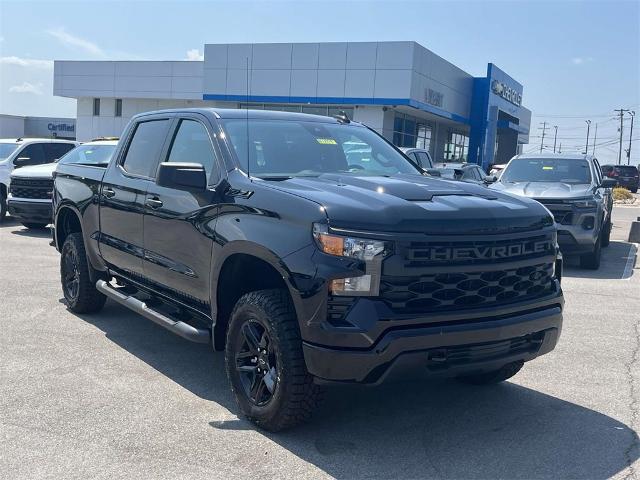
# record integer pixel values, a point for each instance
(562, 212)
(436, 292)
(31, 188)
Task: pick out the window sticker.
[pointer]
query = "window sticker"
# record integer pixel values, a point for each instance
(547, 168)
(326, 141)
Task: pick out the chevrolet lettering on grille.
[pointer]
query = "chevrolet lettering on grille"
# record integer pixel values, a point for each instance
(487, 253)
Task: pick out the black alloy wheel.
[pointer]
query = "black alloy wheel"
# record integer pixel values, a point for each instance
(70, 267)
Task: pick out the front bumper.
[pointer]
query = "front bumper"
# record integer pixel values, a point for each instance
(442, 350)
(30, 212)
(574, 239)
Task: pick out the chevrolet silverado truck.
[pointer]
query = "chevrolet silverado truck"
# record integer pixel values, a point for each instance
(252, 231)
(576, 193)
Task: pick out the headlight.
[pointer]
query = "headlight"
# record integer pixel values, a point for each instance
(584, 203)
(370, 251)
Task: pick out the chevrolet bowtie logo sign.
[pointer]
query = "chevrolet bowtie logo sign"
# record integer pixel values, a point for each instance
(508, 93)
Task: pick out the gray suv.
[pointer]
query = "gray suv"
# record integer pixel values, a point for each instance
(575, 192)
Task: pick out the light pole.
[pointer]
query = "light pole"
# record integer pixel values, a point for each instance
(555, 137)
(586, 147)
(633, 114)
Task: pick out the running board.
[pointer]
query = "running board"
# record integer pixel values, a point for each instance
(179, 328)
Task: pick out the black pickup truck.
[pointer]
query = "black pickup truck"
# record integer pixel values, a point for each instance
(263, 234)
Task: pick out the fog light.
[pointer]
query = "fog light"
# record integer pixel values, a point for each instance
(588, 223)
(352, 285)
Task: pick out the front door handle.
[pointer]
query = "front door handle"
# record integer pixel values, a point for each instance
(107, 192)
(153, 202)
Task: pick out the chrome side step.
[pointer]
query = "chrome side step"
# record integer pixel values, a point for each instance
(179, 328)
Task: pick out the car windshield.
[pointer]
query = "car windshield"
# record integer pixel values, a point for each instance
(7, 149)
(89, 155)
(627, 170)
(564, 170)
(285, 148)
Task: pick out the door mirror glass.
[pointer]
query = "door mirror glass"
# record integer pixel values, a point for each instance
(609, 183)
(182, 176)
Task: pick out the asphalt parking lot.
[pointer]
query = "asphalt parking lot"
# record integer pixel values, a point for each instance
(112, 395)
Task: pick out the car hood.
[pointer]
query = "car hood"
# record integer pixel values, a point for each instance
(415, 204)
(35, 171)
(550, 190)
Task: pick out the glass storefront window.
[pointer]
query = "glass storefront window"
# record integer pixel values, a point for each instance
(457, 148)
(410, 131)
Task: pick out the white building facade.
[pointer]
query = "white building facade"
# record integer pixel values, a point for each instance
(404, 91)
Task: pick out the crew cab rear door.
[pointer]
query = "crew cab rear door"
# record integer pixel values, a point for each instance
(123, 193)
(179, 224)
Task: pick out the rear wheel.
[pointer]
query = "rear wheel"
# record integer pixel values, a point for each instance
(34, 225)
(265, 364)
(79, 290)
(591, 261)
(497, 376)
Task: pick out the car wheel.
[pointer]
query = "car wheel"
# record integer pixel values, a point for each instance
(591, 261)
(35, 225)
(3, 206)
(606, 233)
(497, 376)
(79, 290)
(265, 364)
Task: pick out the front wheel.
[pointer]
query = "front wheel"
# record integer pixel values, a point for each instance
(79, 290)
(3, 205)
(496, 376)
(265, 364)
(591, 261)
(606, 233)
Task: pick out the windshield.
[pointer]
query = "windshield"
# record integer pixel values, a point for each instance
(562, 170)
(89, 155)
(7, 149)
(283, 148)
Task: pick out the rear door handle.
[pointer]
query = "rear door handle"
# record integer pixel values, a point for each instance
(107, 192)
(153, 202)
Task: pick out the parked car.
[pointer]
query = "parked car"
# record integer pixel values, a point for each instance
(465, 172)
(22, 152)
(422, 158)
(252, 231)
(496, 170)
(32, 187)
(626, 175)
(573, 189)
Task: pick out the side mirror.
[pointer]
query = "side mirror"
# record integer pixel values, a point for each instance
(21, 162)
(490, 179)
(182, 176)
(609, 183)
(434, 172)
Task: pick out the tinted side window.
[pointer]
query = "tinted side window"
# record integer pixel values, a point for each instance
(54, 151)
(145, 146)
(192, 144)
(34, 153)
(423, 158)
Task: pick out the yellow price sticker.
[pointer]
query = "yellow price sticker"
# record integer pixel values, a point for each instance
(547, 168)
(326, 141)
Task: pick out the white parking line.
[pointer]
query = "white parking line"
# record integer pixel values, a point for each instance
(631, 260)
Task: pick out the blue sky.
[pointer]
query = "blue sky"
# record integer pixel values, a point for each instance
(577, 60)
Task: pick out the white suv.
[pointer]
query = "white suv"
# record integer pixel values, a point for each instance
(20, 152)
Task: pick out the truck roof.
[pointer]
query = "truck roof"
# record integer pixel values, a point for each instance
(566, 156)
(252, 114)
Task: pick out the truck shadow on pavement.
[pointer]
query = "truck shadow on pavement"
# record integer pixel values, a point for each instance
(17, 228)
(615, 263)
(437, 429)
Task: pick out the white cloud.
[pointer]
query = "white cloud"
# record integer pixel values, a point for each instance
(194, 54)
(581, 60)
(26, 62)
(27, 87)
(70, 40)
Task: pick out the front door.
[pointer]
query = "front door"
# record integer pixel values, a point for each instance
(123, 194)
(179, 224)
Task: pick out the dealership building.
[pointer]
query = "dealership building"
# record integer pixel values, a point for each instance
(407, 93)
(14, 126)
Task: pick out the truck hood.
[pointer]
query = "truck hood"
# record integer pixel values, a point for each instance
(36, 171)
(415, 204)
(541, 190)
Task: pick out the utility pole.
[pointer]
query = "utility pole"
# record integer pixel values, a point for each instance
(621, 112)
(586, 146)
(555, 137)
(544, 130)
(560, 149)
(633, 114)
(594, 139)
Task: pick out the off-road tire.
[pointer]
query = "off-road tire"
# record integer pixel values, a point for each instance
(295, 396)
(591, 261)
(86, 299)
(497, 376)
(606, 233)
(3, 206)
(35, 226)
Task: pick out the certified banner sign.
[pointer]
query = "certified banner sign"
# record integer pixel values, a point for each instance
(506, 92)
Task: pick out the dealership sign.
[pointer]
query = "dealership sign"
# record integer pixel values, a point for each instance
(506, 92)
(61, 127)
